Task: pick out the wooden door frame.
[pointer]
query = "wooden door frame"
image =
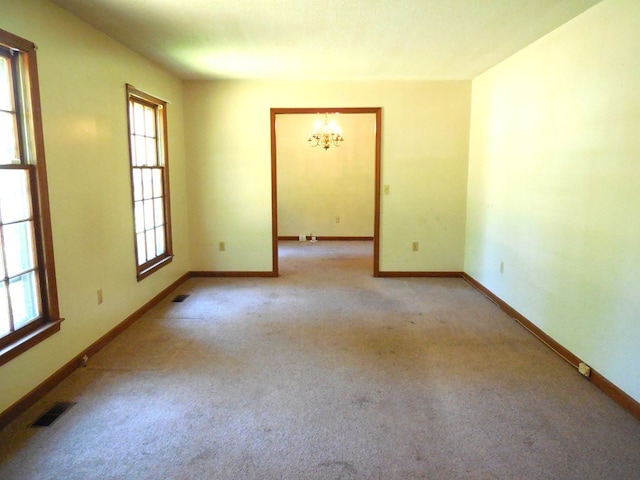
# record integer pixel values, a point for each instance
(274, 178)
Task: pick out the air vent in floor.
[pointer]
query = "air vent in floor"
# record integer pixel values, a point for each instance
(180, 298)
(53, 414)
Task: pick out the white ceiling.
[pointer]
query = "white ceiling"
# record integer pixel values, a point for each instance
(327, 39)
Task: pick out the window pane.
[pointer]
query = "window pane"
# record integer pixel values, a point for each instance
(150, 200)
(5, 324)
(151, 244)
(24, 299)
(140, 155)
(150, 122)
(8, 143)
(152, 157)
(134, 154)
(160, 241)
(15, 201)
(137, 184)
(138, 119)
(147, 185)
(157, 182)
(2, 271)
(139, 217)
(148, 214)
(142, 248)
(18, 242)
(158, 211)
(6, 95)
(27, 277)
(131, 120)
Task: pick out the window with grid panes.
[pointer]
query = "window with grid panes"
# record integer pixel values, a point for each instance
(28, 298)
(149, 181)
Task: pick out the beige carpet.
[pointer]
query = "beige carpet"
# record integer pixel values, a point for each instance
(326, 373)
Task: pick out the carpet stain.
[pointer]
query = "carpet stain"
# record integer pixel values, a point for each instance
(361, 402)
(338, 470)
(205, 455)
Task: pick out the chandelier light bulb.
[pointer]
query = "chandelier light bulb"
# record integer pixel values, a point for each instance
(325, 134)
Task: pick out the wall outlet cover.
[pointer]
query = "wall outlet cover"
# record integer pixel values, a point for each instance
(584, 369)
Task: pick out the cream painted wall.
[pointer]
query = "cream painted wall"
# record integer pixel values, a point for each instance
(82, 84)
(424, 161)
(318, 186)
(553, 187)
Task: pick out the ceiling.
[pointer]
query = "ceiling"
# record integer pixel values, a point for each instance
(329, 39)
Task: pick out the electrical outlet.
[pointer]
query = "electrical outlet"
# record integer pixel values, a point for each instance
(415, 246)
(584, 369)
(222, 247)
(99, 294)
(337, 219)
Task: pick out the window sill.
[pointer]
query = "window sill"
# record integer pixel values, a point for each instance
(156, 266)
(26, 342)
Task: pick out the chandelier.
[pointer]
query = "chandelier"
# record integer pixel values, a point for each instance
(325, 134)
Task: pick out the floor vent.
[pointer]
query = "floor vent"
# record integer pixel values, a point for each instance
(52, 414)
(180, 298)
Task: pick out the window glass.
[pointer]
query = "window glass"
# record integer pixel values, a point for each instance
(15, 203)
(8, 138)
(28, 298)
(6, 96)
(8, 134)
(149, 181)
(138, 115)
(157, 182)
(18, 244)
(159, 240)
(142, 248)
(23, 291)
(137, 184)
(3, 272)
(150, 150)
(149, 122)
(148, 215)
(139, 217)
(151, 242)
(158, 211)
(5, 322)
(140, 154)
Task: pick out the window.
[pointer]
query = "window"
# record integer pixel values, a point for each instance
(149, 181)
(28, 297)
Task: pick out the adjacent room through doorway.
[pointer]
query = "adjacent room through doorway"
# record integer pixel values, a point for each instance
(325, 194)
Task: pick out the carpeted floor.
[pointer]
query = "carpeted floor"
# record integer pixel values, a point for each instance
(326, 373)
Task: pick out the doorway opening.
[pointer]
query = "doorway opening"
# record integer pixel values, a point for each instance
(376, 112)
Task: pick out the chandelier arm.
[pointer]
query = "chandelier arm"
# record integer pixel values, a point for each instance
(326, 134)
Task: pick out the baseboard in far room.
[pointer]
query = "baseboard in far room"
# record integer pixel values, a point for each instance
(396, 274)
(47, 385)
(226, 274)
(615, 393)
(321, 238)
